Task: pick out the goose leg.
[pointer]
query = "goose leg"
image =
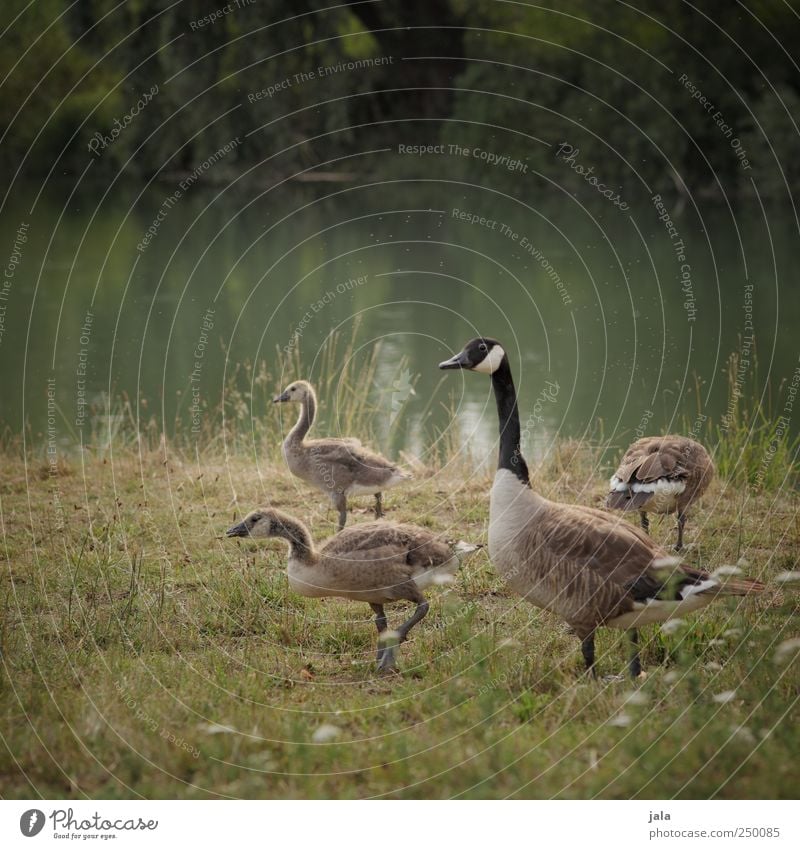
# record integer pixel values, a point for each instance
(681, 523)
(340, 503)
(635, 664)
(378, 505)
(388, 661)
(645, 522)
(587, 649)
(382, 625)
(419, 614)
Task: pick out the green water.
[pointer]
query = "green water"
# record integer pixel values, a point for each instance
(604, 332)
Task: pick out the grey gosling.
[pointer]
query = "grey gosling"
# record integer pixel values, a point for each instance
(661, 474)
(375, 562)
(589, 568)
(339, 467)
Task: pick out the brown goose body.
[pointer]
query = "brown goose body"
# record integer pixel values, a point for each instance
(377, 562)
(661, 474)
(339, 467)
(589, 567)
(585, 565)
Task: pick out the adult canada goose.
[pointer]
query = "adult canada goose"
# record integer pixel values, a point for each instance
(661, 474)
(578, 562)
(339, 467)
(376, 562)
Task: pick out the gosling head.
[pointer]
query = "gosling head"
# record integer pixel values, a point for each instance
(258, 523)
(483, 354)
(297, 392)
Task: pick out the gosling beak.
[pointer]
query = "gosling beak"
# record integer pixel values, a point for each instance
(458, 361)
(279, 399)
(239, 530)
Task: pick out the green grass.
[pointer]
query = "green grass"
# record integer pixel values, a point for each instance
(145, 654)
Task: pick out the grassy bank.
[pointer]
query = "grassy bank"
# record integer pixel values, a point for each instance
(144, 654)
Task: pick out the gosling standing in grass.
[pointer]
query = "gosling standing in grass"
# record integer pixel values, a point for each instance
(577, 562)
(338, 467)
(661, 474)
(377, 562)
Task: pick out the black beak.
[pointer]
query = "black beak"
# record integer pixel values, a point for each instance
(239, 530)
(279, 399)
(458, 361)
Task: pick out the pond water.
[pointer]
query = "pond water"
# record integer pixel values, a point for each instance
(614, 319)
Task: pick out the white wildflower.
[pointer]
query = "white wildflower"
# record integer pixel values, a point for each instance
(743, 733)
(671, 626)
(787, 577)
(726, 572)
(326, 733)
(724, 697)
(215, 728)
(786, 650)
(666, 562)
(389, 637)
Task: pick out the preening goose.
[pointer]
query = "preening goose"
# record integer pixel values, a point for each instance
(376, 562)
(661, 474)
(339, 467)
(578, 562)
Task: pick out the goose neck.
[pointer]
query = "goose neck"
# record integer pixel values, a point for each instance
(510, 454)
(298, 537)
(308, 410)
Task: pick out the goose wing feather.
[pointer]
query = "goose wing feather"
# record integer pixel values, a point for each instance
(388, 541)
(350, 454)
(654, 457)
(597, 568)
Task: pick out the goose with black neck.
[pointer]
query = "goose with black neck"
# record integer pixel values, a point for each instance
(583, 564)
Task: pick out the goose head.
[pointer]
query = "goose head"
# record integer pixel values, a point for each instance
(483, 355)
(296, 392)
(257, 523)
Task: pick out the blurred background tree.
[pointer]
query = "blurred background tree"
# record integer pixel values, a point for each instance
(602, 75)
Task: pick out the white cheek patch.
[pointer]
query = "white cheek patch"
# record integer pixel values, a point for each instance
(662, 486)
(491, 362)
